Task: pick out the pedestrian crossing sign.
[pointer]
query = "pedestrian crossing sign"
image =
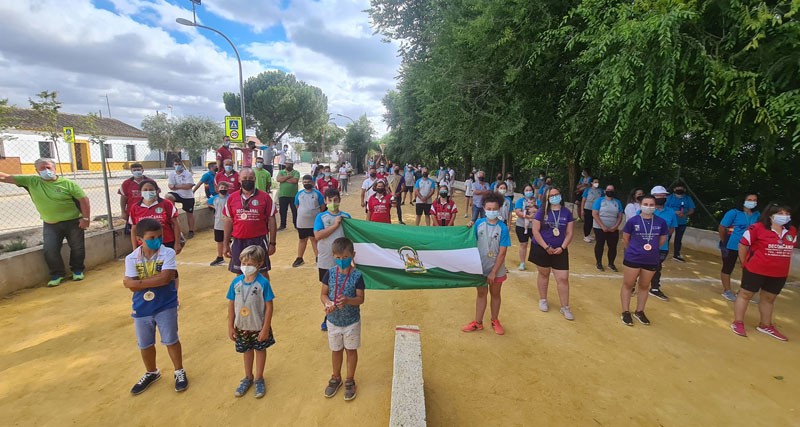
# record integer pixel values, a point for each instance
(69, 135)
(233, 128)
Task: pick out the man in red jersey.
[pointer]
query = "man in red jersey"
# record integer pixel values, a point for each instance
(249, 218)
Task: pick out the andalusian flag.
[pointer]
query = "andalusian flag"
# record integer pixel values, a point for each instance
(399, 257)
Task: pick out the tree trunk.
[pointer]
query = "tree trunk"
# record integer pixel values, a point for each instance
(572, 173)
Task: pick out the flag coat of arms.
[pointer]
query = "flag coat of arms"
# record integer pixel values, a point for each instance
(393, 256)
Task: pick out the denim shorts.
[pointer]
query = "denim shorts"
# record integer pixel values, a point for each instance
(167, 323)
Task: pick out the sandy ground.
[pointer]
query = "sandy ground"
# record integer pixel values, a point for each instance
(69, 354)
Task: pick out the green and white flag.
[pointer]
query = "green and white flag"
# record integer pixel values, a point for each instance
(398, 257)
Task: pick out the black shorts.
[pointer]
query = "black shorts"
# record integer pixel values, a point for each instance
(127, 229)
(541, 258)
(186, 204)
(423, 208)
(238, 246)
(248, 340)
(409, 188)
(322, 272)
(522, 235)
(729, 262)
(627, 263)
(753, 282)
(305, 233)
(219, 235)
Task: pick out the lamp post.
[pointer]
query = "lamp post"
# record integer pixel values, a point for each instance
(346, 117)
(238, 59)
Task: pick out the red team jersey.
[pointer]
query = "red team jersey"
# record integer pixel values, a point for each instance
(380, 210)
(323, 185)
(163, 212)
(443, 212)
(770, 254)
(233, 179)
(130, 189)
(250, 216)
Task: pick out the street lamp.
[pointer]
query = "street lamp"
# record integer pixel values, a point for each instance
(346, 117)
(189, 23)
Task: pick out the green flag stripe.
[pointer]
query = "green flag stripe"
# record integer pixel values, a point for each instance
(394, 236)
(380, 278)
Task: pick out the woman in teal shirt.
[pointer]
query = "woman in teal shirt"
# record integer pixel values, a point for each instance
(733, 225)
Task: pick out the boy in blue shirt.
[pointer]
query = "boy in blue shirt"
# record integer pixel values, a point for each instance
(684, 207)
(328, 228)
(309, 202)
(250, 318)
(342, 294)
(207, 180)
(150, 272)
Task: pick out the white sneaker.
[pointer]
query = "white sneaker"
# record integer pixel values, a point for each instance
(587, 239)
(522, 266)
(567, 313)
(543, 305)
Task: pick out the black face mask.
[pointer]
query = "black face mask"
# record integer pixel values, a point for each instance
(308, 186)
(611, 194)
(680, 191)
(223, 192)
(372, 174)
(481, 179)
(248, 185)
(397, 171)
(660, 202)
(499, 178)
(425, 175)
(380, 190)
(639, 198)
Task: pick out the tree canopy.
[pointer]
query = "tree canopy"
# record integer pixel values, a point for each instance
(641, 92)
(194, 134)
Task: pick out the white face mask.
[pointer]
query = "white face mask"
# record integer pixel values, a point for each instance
(781, 219)
(249, 270)
(148, 195)
(648, 210)
(595, 184)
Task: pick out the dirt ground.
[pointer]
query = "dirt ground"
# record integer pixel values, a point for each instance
(69, 354)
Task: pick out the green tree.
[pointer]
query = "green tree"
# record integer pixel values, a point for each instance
(161, 132)
(47, 108)
(358, 140)
(6, 122)
(197, 135)
(277, 103)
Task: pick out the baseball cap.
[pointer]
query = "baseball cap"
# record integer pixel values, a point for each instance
(659, 189)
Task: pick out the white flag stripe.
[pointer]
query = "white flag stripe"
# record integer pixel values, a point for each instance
(456, 260)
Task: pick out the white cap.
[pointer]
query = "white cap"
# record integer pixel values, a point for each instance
(659, 189)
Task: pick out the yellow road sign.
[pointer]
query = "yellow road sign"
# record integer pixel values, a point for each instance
(69, 135)
(233, 128)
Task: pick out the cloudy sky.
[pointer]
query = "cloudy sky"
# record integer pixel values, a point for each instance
(135, 52)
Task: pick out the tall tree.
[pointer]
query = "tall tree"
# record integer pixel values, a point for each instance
(197, 135)
(358, 140)
(277, 103)
(47, 107)
(160, 130)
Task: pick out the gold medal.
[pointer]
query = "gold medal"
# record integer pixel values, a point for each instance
(648, 247)
(556, 232)
(149, 296)
(244, 312)
(490, 254)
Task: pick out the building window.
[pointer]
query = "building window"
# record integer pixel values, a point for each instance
(131, 150)
(109, 151)
(46, 149)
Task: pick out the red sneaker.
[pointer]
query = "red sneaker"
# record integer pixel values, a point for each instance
(473, 326)
(738, 329)
(771, 331)
(498, 329)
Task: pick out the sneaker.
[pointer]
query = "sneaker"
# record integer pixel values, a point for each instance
(334, 384)
(626, 318)
(181, 382)
(587, 239)
(218, 261)
(543, 305)
(55, 281)
(729, 295)
(282, 228)
(324, 326)
(771, 331)
(473, 326)
(466, 216)
(191, 235)
(521, 266)
(639, 315)
(244, 385)
(600, 267)
(261, 388)
(658, 294)
(298, 262)
(77, 276)
(678, 258)
(567, 313)
(145, 382)
(349, 390)
(183, 240)
(613, 268)
(498, 328)
(738, 329)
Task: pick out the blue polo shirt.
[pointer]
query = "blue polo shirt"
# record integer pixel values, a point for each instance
(737, 222)
(678, 204)
(208, 179)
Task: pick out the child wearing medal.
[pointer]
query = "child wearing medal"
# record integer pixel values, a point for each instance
(493, 243)
(150, 273)
(250, 318)
(552, 233)
(642, 236)
(342, 295)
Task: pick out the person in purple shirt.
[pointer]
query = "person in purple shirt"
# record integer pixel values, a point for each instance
(552, 234)
(642, 236)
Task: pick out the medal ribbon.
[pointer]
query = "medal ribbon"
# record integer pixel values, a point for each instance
(336, 293)
(557, 220)
(648, 235)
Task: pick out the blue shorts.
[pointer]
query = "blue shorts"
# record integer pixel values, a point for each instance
(167, 323)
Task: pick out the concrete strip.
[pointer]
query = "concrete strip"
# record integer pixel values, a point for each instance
(408, 394)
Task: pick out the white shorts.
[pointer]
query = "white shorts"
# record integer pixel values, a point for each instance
(344, 337)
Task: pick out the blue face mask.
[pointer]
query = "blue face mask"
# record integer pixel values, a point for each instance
(555, 200)
(153, 244)
(344, 263)
(228, 168)
(178, 168)
(492, 214)
(529, 194)
(749, 204)
(47, 174)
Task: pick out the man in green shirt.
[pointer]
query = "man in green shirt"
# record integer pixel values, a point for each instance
(288, 179)
(263, 177)
(64, 209)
